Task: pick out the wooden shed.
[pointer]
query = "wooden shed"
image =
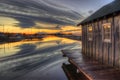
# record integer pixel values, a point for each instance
(101, 35)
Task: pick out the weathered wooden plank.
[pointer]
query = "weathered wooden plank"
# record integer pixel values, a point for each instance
(111, 44)
(100, 41)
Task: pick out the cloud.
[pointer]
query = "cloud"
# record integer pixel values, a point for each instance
(25, 22)
(27, 12)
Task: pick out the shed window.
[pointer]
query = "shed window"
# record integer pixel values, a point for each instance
(107, 32)
(90, 33)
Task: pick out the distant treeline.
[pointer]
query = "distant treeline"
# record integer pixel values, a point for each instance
(71, 37)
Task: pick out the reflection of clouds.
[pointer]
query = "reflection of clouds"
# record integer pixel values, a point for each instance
(31, 55)
(23, 49)
(29, 11)
(10, 49)
(52, 64)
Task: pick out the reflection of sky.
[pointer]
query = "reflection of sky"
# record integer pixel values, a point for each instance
(48, 43)
(19, 57)
(45, 14)
(8, 49)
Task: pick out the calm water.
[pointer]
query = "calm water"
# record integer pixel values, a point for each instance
(35, 60)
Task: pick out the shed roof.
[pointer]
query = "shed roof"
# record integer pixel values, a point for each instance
(105, 10)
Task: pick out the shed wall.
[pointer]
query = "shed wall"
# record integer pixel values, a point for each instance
(104, 52)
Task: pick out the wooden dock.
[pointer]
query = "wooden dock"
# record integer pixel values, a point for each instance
(91, 69)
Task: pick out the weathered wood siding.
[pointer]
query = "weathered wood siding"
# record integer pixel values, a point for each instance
(117, 40)
(104, 52)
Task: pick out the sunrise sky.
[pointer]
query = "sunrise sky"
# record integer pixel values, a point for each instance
(49, 16)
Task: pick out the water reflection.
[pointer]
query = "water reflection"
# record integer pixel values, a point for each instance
(8, 49)
(20, 57)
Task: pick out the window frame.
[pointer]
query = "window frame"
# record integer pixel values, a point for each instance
(108, 26)
(90, 33)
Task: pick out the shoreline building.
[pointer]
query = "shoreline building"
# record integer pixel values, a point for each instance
(101, 35)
